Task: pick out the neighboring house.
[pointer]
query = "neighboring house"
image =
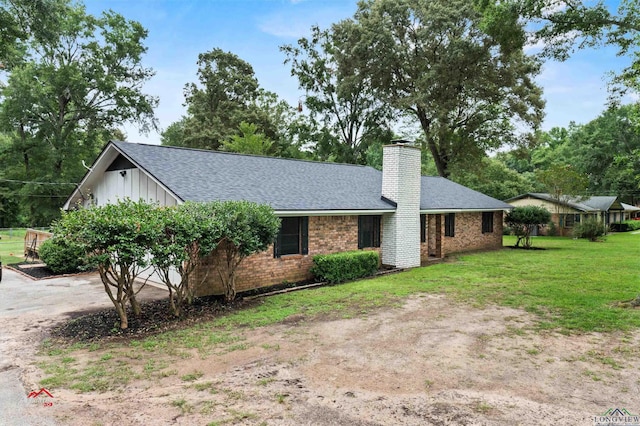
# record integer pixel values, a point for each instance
(566, 213)
(324, 207)
(630, 212)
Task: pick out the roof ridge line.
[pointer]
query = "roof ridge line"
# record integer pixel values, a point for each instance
(184, 148)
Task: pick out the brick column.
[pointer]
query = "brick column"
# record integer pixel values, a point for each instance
(401, 184)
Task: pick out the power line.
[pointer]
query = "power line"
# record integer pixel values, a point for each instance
(37, 182)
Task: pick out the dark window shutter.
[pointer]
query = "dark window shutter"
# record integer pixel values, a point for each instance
(376, 231)
(453, 224)
(304, 234)
(360, 230)
(277, 243)
(423, 228)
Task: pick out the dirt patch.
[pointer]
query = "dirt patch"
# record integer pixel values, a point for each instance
(430, 361)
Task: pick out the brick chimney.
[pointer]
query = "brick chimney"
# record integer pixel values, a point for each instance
(401, 185)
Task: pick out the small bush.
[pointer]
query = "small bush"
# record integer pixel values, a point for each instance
(62, 256)
(340, 267)
(552, 231)
(592, 229)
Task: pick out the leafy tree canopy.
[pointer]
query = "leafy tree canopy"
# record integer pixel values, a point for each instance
(65, 94)
(339, 98)
(562, 26)
(467, 83)
(249, 141)
(494, 178)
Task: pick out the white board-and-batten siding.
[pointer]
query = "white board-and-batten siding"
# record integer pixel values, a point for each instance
(133, 184)
(136, 185)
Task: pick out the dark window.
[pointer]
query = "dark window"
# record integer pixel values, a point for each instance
(368, 231)
(450, 225)
(423, 228)
(569, 219)
(293, 237)
(487, 222)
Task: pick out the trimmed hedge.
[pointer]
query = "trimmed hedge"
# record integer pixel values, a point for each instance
(62, 256)
(340, 267)
(626, 226)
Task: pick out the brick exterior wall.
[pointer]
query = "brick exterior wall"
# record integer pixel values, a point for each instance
(332, 234)
(327, 234)
(469, 236)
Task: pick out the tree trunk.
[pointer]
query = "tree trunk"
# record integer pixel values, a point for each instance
(119, 300)
(135, 305)
(122, 312)
(230, 287)
(439, 158)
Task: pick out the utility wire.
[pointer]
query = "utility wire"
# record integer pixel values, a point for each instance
(38, 183)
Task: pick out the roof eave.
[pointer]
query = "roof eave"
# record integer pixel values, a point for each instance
(344, 212)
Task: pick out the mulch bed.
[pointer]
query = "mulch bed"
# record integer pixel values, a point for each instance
(156, 317)
(33, 270)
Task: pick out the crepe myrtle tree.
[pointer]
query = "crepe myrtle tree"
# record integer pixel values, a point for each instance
(523, 220)
(190, 232)
(247, 228)
(228, 231)
(116, 239)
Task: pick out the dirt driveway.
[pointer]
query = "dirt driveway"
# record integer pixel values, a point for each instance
(429, 361)
(28, 309)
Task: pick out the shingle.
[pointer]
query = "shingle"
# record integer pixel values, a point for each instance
(438, 193)
(595, 203)
(286, 184)
(602, 203)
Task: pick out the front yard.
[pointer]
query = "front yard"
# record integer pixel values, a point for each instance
(12, 245)
(512, 336)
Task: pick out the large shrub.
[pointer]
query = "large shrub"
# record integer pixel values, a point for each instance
(63, 256)
(340, 267)
(245, 228)
(592, 229)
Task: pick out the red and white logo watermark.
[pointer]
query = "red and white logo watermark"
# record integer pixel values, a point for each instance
(41, 395)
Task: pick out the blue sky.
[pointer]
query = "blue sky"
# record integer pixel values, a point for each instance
(179, 30)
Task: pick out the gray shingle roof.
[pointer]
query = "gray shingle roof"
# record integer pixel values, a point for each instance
(285, 184)
(438, 193)
(595, 203)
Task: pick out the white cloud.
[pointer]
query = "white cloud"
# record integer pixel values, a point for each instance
(296, 22)
(554, 7)
(283, 26)
(534, 47)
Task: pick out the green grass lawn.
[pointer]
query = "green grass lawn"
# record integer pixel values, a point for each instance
(12, 245)
(570, 286)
